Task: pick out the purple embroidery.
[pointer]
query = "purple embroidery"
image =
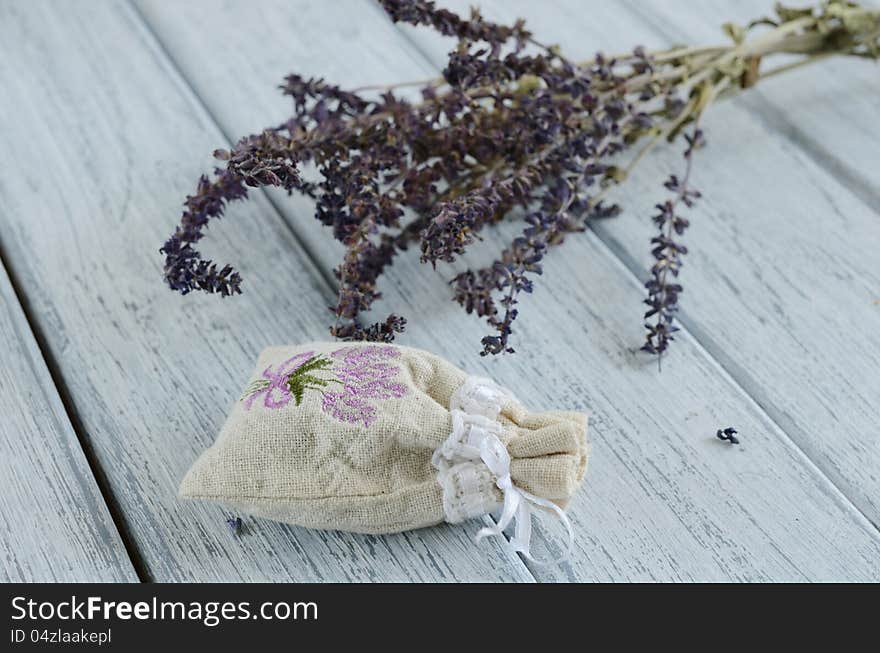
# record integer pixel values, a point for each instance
(273, 385)
(365, 374)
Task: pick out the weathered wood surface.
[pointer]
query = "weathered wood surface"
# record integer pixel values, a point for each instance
(107, 141)
(664, 499)
(55, 525)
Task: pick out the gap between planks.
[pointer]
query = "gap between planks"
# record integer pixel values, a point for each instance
(69, 413)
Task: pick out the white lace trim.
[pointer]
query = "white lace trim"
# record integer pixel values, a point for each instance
(480, 396)
(467, 492)
(473, 461)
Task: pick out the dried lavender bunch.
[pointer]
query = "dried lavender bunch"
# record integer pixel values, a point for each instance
(512, 124)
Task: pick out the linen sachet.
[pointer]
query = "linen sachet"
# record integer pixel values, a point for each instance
(379, 438)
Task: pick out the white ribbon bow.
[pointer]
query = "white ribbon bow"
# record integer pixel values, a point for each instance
(518, 504)
(475, 407)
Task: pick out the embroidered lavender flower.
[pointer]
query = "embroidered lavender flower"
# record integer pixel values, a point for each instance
(366, 376)
(511, 124)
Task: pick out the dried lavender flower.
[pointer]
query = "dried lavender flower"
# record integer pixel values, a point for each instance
(378, 332)
(663, 287)
(513, 130)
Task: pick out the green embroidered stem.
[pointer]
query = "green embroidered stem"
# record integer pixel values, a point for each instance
(300, 379)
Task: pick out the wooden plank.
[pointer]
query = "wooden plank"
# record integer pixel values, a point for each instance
(56, 526)
(829, 109)
(664, 499)
(108, 142)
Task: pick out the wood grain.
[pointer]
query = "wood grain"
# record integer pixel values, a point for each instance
(56, 526)
(664, 500)
(108, 141)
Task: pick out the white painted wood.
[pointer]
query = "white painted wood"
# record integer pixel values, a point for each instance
(664, 500)
(107, 142)
(55, 524)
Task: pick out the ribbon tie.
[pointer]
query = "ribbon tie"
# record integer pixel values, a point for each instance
(474, 439)
(518, 504)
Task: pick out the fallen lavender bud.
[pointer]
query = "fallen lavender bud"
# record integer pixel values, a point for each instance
(728, 434)
(234, 524)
